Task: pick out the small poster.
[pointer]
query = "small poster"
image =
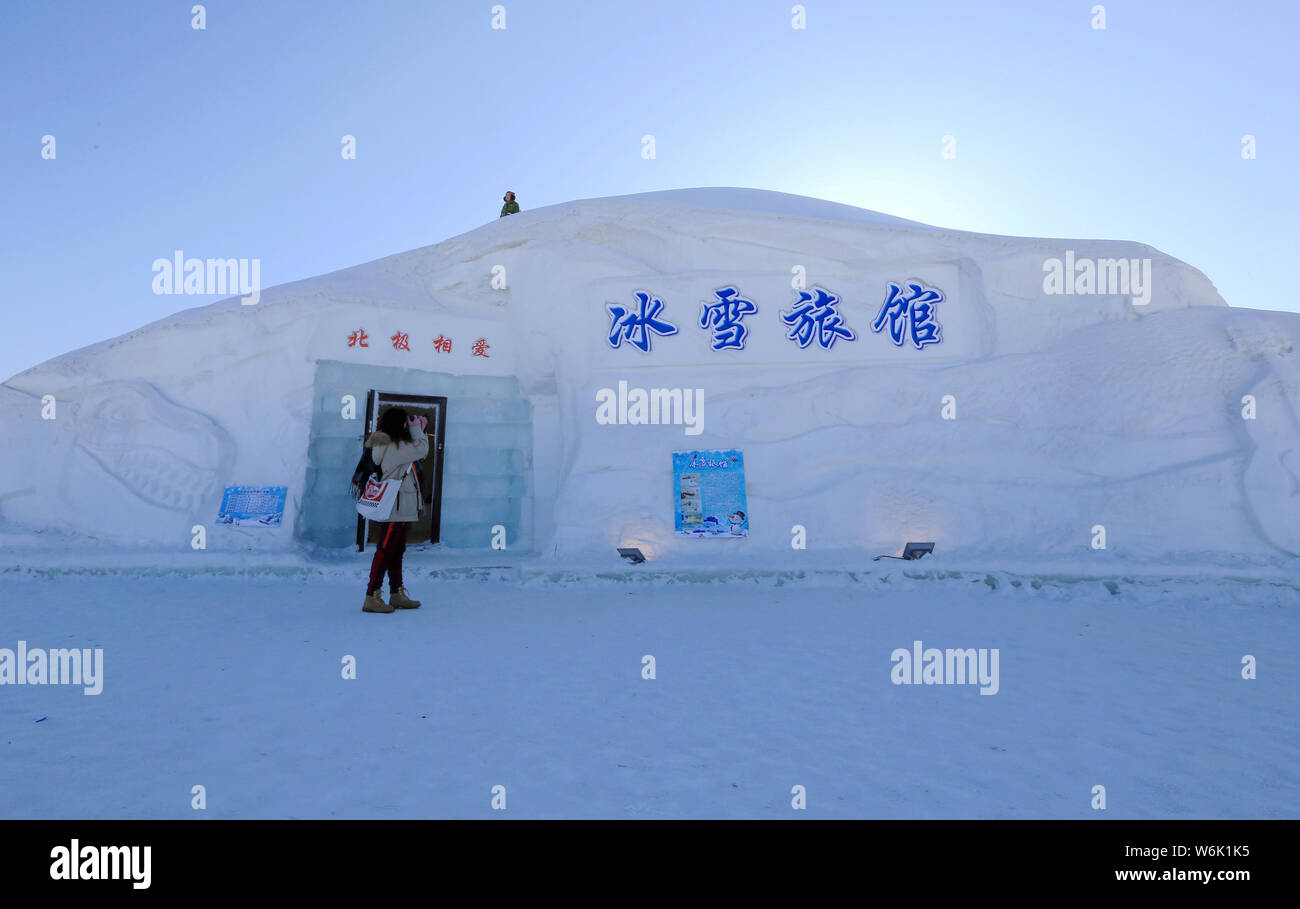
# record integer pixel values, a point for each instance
(709, 494)
(252, 506)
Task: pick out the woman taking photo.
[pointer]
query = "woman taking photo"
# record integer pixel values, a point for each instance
(399, 441)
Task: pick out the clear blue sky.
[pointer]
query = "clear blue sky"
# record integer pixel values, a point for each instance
(225, 142)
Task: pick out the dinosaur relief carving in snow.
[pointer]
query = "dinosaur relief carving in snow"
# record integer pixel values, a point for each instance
(167, 455)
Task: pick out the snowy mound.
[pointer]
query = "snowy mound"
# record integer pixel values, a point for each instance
(1006, 395)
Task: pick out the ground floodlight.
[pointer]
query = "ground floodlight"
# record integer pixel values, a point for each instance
(910, 551)
(916, 550)
(632, 554)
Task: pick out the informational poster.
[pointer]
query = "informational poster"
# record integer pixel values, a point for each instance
(709, 494)
(252, 506)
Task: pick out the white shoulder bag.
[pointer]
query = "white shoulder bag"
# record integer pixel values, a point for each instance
(379, 497)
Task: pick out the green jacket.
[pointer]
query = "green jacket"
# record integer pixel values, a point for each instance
(510, 208)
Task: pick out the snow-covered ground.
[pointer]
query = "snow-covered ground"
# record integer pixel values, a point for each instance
(763, 682)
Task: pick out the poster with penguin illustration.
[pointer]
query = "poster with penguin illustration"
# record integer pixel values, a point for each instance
(252, 506)
(709, 494)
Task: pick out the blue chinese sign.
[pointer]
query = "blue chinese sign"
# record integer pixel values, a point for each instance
(814, 319)
(255, 506)
(709, 494)
(911, 315)
(638, 326)
(724, 315)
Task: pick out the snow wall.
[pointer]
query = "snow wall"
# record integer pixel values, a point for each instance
(1036, 418)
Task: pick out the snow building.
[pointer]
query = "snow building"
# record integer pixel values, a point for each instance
(884, 381)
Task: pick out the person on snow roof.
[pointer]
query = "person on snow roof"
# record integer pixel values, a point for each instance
(511, 207)
(399, 441)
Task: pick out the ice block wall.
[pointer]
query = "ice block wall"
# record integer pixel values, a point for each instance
(487, 454)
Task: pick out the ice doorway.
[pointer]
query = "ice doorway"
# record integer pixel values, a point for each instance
(428, 528)
(484, 457)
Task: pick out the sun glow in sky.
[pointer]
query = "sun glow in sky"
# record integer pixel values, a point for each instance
(225, 141)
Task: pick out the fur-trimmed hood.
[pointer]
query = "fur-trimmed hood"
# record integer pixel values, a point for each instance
(383, 438)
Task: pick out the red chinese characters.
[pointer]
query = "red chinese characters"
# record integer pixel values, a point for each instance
(401, 340)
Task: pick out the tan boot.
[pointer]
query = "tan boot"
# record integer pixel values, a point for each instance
(375, 603)
(399, 599)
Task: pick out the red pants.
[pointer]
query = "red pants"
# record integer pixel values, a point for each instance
(388, 557)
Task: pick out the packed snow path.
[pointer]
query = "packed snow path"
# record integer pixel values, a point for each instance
(235, 684)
